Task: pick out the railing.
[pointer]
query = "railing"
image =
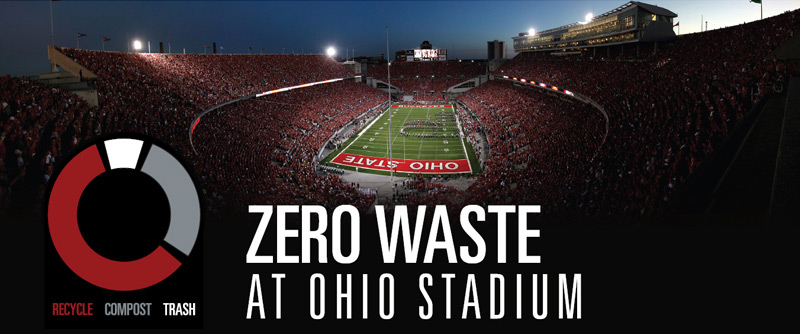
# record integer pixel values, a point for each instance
(196, 120)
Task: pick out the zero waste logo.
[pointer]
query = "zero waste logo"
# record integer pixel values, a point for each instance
(120, 211)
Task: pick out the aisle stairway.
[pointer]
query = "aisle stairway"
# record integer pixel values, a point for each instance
(67, 81)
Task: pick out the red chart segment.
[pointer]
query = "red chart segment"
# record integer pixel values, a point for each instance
(62, 218)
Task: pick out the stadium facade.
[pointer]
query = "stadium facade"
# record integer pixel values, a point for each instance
(630, 23)
(495, 50)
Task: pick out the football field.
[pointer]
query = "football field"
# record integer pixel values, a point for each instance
(424, 139)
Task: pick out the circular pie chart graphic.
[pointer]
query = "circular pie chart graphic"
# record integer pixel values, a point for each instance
(115, 206)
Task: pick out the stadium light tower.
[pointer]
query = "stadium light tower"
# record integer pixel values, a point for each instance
(331, 51)
(531, 32)
(137, 45)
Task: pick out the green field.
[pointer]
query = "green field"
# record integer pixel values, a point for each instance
(416, 134)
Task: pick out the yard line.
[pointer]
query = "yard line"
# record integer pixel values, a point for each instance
(361, 133)
(435, 143)
(391, 142)
(429, 148)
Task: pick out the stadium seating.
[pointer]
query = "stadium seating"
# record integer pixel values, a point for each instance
(540, 143)
(669, 111)
(160, 95)
(39, 124)
(427, 77)
(429, 69)
(275, 140)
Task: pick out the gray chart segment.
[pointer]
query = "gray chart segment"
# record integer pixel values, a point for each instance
(184, 220)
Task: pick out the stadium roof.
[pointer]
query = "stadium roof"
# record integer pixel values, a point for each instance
(628, 6)
(655, 9)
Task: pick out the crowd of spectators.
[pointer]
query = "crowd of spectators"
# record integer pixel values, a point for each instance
(207, 80)
(539, 143)
(428, 97)
(420, 190)
(669, 111)
(471, 126)
(429, 69)
(425, 85)
(160, 94)
(276, 139)
(427, 79)
(39, 125)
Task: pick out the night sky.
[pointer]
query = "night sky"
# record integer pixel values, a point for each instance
(462, 27)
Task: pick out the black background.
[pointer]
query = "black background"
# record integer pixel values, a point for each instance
(649, 274)
(656, 273)
(669, 271)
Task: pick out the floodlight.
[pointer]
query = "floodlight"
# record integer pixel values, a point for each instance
(589, 17)
(331, 51)
(531, 32)
(137, 45)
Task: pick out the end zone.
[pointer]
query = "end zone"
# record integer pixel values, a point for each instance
(404, 165)
(422, 106)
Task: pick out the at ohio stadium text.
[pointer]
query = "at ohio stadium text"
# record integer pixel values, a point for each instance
(535, 298)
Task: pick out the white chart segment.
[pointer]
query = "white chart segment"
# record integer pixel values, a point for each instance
(123, 152)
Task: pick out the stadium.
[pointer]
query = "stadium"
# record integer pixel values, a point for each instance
(612, 116)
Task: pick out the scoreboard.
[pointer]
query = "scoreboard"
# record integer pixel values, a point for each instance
(426, 54)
